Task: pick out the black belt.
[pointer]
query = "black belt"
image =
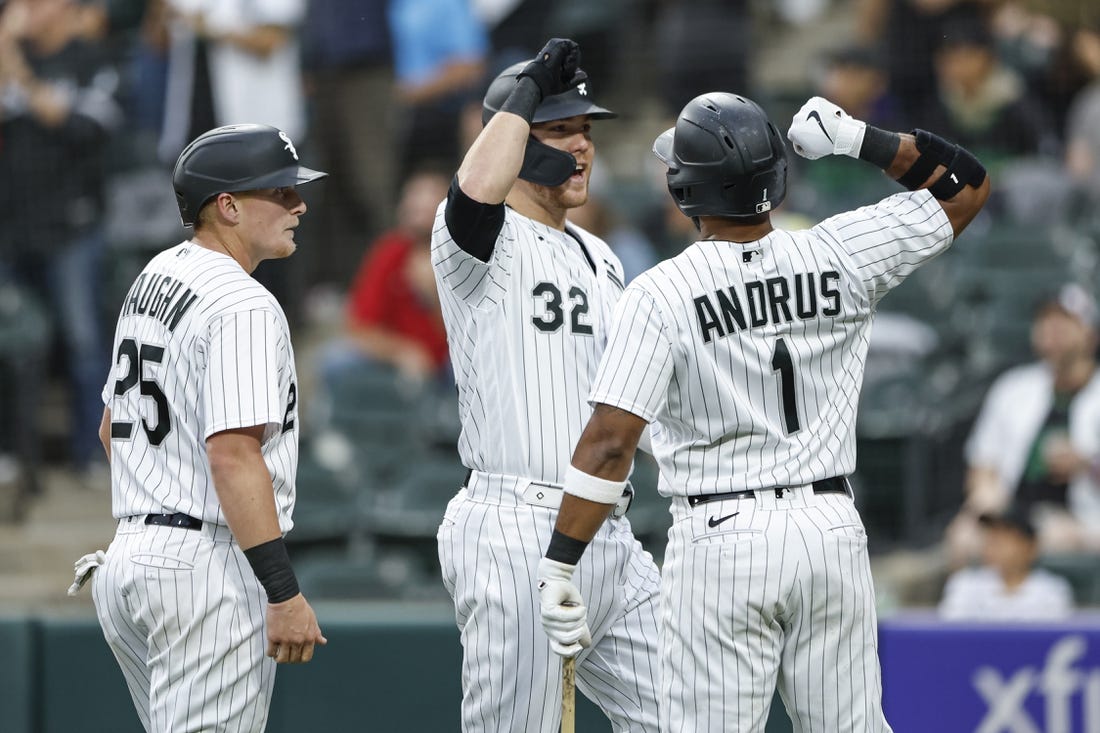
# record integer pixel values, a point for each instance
(834, 485)
(186, 521)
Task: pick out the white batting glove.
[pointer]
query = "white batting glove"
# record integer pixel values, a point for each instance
(821, 128)
(83, 569)
(564, 617)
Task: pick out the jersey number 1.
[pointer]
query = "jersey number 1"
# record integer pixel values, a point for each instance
(782, 363)
(136, 358)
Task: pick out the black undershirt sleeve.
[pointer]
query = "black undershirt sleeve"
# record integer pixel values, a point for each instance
(473, 226)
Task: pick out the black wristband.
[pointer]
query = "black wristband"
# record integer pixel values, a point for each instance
(565, 549)
(271, 563)
(880, 147)
(524, 99)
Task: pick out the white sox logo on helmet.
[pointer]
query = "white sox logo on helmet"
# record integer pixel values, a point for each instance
(289, 145)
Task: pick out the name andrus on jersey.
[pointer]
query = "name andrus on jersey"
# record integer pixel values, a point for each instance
(768, 301)
(158, 296)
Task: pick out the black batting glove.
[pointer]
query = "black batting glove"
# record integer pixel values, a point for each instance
(556, 67)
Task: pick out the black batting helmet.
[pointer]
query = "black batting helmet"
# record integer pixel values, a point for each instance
(543, 164)
(235, 158)
(724, 158)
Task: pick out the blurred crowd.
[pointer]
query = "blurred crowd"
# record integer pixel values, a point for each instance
(98, 97)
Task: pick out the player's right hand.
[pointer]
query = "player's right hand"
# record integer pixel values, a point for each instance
(564, 616)
(821, 128)
(556, 68)
(292, 631)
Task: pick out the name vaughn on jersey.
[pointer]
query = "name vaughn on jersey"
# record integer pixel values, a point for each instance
(773, 300)
(158, 296)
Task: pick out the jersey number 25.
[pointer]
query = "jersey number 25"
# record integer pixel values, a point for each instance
(137, 356)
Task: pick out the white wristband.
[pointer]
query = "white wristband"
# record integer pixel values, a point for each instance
(849, 137)
(593, 488)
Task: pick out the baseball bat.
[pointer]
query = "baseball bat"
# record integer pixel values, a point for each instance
(568, 695)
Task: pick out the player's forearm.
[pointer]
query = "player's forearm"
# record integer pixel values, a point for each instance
(580, 518)
(382, 345)
(460, 74)
(607, 445)
(261, 41)
(243, 485)
(932, 163)
(597, 475)
(492, 164)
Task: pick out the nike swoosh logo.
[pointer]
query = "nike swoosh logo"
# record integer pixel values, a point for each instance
(714, 522)
(815, 116)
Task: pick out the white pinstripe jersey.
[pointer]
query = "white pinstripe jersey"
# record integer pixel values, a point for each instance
(526, 330)
(751, 356)
(200, 347)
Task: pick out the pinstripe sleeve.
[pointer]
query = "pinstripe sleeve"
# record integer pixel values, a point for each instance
(637, 364)
(887, 241)
(241, 384)
(478, 284)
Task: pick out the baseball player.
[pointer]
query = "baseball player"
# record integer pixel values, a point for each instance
(526, 301)
(747, 350)
(201, 428)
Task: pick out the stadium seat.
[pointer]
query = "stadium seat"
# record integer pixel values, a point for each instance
(1081, 570)
(413, 505)
(330, 507)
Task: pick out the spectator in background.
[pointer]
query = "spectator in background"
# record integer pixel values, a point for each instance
(348, 59)
(1007, 586)
(980, 102)
(231, 61)
(515, 27)
(393, 313)
(911, 30)
(855, 78)
(440, 49)
(1036, 443)
(1041, 50)
(1083, 125)
(703, 45)
(57, 112)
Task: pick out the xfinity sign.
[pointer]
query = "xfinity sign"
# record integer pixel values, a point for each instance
(1064, 689)
(960, 678)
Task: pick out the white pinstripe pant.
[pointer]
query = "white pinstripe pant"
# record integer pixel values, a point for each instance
(490, 543)
(185, 617)
(779, 593)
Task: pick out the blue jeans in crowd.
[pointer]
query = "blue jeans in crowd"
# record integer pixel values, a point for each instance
(69, 281)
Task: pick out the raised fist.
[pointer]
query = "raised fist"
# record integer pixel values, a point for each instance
(556, 67)
(821, 128)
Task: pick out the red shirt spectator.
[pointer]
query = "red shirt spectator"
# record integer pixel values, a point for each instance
(384, 296)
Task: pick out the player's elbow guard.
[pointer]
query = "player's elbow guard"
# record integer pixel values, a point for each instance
(962, 168)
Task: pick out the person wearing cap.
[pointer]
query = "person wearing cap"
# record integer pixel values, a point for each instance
(196, 595)
(980, 101)
(1007, 586)
(527, 297)
(1036, 442)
